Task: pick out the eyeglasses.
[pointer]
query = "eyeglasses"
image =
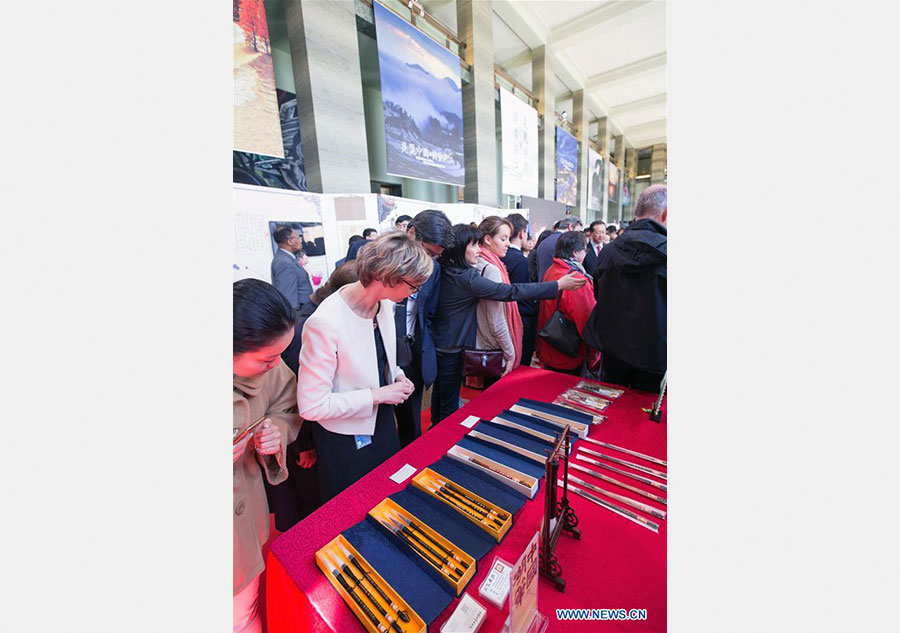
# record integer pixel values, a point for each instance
(415, 288)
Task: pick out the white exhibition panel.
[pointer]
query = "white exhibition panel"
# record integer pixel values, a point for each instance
(340, 216)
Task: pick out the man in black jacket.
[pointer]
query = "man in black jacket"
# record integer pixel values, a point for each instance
(517, 267)
(413, 318)
(628, 324)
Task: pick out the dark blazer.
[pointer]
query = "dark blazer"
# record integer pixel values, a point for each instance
(590, 260)
(423, 343)
(517, 267)
(461, 290)
(545, 254)
(291, 279)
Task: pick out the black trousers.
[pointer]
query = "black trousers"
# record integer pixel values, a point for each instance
(445, 394)
(409, 413)
(621, 373)
(297, 496)
(529, 338)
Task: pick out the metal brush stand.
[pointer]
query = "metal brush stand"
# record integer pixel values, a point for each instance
(558, 515)
(656, 412)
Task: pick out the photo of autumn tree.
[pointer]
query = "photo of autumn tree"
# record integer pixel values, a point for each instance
(257, 128)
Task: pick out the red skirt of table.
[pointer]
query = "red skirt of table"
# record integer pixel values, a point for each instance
(616, 564)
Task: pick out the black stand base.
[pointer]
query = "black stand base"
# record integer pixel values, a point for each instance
(656, 416)
(552, 571)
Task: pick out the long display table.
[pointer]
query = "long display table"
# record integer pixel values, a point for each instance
(617, 564)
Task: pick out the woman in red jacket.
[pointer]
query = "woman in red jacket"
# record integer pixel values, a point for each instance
(575, 305)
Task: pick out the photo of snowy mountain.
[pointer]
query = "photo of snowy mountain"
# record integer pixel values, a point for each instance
(421, 92)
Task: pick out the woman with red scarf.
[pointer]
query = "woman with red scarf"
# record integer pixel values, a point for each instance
(499, 322)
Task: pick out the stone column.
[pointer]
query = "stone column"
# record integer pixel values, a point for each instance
(658, 165)
(619, 144)
(604, 138)
(631, 170)
(581, 119)
(541, 86)
(474, 21)
(329, 94)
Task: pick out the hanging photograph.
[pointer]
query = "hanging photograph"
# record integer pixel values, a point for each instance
(265, 171)
(613, 183)
(519, 127)
(257, 129)
(595, 180)
(566, 167)
(421, 92)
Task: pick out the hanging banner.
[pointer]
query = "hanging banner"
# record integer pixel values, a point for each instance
(595, 180)
(421, 92)
(626, 193)
(566, 167)
(519, 128)
(257, 129)
(613, 183)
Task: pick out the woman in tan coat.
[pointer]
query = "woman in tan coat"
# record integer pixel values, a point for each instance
(499, 323)
(263, 386)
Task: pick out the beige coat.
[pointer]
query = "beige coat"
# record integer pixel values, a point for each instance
(493, 330)
(273, 394)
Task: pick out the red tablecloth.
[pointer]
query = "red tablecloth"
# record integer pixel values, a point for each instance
(617, 564)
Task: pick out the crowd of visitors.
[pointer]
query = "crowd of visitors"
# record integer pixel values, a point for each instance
(336, 377)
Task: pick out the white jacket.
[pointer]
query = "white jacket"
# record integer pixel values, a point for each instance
(339, 366)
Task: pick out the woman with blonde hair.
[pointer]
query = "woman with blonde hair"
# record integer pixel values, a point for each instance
(499, 322)
(349, 378)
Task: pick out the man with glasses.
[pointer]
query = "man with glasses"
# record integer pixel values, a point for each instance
(288, 275)
(413, 319)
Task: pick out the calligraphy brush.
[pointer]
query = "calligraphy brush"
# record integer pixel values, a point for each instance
(456, 504)
(445, 569)
(444, 559)
(243, 434)
(486, 514)
(616, 482)
(643, 507)
(637, 467)
(643, 480)
(462, 493)
(355, 562)
(413, 526)
(357, 582)
(628, 514)
(478, 462)
(655, 460)
(616, 460)
(362, 605)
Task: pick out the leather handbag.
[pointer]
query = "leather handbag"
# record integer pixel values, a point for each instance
(561, 333)
(487, 363)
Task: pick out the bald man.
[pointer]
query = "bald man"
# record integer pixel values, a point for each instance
(628, 324)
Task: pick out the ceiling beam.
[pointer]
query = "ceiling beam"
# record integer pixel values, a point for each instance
(517, 61)
(640, 104)
(600, 21)
(626, 72)
(650, 126)
(524, 22)
(652, 141)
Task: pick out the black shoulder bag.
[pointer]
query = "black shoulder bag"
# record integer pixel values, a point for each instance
(561, 333)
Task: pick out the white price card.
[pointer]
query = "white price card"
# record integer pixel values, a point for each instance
(495, 587)
(470, 421)
(467, 617)
(403, 474)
